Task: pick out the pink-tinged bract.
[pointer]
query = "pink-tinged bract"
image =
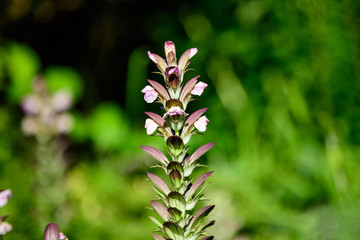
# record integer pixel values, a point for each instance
(52, 232)
(150, 94)
(150, 126)
(199, 88)
(201, 123)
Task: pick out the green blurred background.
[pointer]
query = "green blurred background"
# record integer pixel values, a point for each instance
(283, 99)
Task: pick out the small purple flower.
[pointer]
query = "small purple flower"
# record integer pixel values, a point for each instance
(150, 126)
(199, 88)
(4, 228)
(175, 111)
(150, 94)
(4, 197)
(201, 123)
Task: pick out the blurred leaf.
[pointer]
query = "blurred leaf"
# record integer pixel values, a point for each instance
(22, 64)
(63, 77)
(108, 128)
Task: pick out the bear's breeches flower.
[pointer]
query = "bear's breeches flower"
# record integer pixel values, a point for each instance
(150, 94)
(150, 126)
(178, 194)
(199, 88)
(201, 123)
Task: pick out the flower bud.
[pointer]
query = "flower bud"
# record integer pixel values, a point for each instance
(170, 53)
(52, 232)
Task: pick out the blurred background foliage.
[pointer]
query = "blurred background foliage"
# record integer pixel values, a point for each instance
(283, 99)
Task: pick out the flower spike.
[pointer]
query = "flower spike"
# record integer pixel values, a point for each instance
(178, 193)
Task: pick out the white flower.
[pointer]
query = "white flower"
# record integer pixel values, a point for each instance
(4, 228)
(199, 88)
(150, 94)
(62, 100)
(4, 196)
(201, 123)
(150, 126)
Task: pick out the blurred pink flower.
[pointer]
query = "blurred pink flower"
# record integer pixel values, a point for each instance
(62, 100)
(4, 197)
(175, 111)
(150, 94)
(31, 104)
(4, 228)
(199, 88)
(64, 123)
(150, 126)
(201, 123)
(29, 125)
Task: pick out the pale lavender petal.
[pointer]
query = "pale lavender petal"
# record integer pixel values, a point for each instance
(4, 197)
(199, 88)
(201, 123)
(150, 126)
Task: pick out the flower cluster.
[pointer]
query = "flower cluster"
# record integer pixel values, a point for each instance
(46, 112)
(52, 233)
(177, 203)
(4, 226)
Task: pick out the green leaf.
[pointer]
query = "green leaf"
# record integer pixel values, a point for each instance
(22, 64)
(62, 77)
(154, 220)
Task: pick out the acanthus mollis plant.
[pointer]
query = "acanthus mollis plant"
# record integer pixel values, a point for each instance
(179, 193)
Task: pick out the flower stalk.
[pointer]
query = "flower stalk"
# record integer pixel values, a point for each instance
(178, 196)
(48, 121)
